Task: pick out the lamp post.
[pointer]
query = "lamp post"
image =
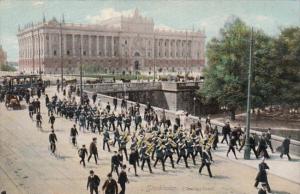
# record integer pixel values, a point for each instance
(194, 105)
(247, 144)
(80, 61)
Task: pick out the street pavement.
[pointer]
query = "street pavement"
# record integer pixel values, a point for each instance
(26, 165)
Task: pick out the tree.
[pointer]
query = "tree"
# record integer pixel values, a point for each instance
(286, 54)
(228, 59)
(4, 67)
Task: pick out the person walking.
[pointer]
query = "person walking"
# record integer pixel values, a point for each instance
(285, 147)
(82, 152)
(73, 135)
(93, 150)
(52, 120)
(206, 161)
(123, 179)
(52, 141)
(93, 183)
(262, 175)
(110, 186)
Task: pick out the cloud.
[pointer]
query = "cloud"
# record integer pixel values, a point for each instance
(37, 3)
(107, 14)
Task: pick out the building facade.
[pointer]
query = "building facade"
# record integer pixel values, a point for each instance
(123, 45)
(3, 56)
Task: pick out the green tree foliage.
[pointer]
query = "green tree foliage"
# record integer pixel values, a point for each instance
(275, 69)
(4, 67)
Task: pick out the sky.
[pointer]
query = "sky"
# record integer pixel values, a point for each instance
(210, 15)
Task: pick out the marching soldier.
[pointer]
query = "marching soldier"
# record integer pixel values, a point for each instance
(160, 156)
(106, 139)
(169, 152)
(115, 163)
(232, 144)
(133, 159)
(182, 153)
(206, 161)
(145, 157)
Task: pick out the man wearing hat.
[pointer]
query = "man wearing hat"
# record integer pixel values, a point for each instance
(110, 185)
(93, 150)
(133, 158)
(262, 175)
(93, 182)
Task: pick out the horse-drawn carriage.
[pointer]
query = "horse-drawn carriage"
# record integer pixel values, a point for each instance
(12, 101)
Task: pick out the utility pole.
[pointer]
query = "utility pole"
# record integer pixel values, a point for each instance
(154, 59)
(80, 74)
(247, 143)
(185, 55)
(61, 56)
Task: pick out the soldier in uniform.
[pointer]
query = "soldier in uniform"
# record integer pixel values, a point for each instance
(106, 139)
(145, 157)
(169, 152)
(182, 153)
(206, 161)
(160, 156)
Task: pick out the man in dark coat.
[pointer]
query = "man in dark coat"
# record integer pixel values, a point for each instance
(285, 148)
(133, 159)
(123, 179)
(93, 182)
(73, 134)
(226, 130)
(262, 175)
(115, 163)
(82, 152)
(93, 150)
(110, 185)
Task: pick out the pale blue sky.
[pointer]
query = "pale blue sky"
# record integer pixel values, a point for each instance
(266, 15)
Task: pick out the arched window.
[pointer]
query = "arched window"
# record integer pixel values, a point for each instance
(136, 54)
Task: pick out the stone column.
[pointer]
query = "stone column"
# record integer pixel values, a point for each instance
(112, 47)
(104, 38)
(97, 46)
(73, 45)
(50, 45)
(90, 45)
(81, 45)
(65, 44)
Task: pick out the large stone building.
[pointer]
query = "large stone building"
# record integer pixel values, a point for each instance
(3, 56)
(118, 45)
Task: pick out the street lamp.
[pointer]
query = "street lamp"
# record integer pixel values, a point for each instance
(247, 143)
(194, 105)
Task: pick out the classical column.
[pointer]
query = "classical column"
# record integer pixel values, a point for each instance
(81, 45)
(112, 47)
(50, 45)
(97, 46)
(90, 45)
(104, 52)
(65, 44)
(73, 45)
